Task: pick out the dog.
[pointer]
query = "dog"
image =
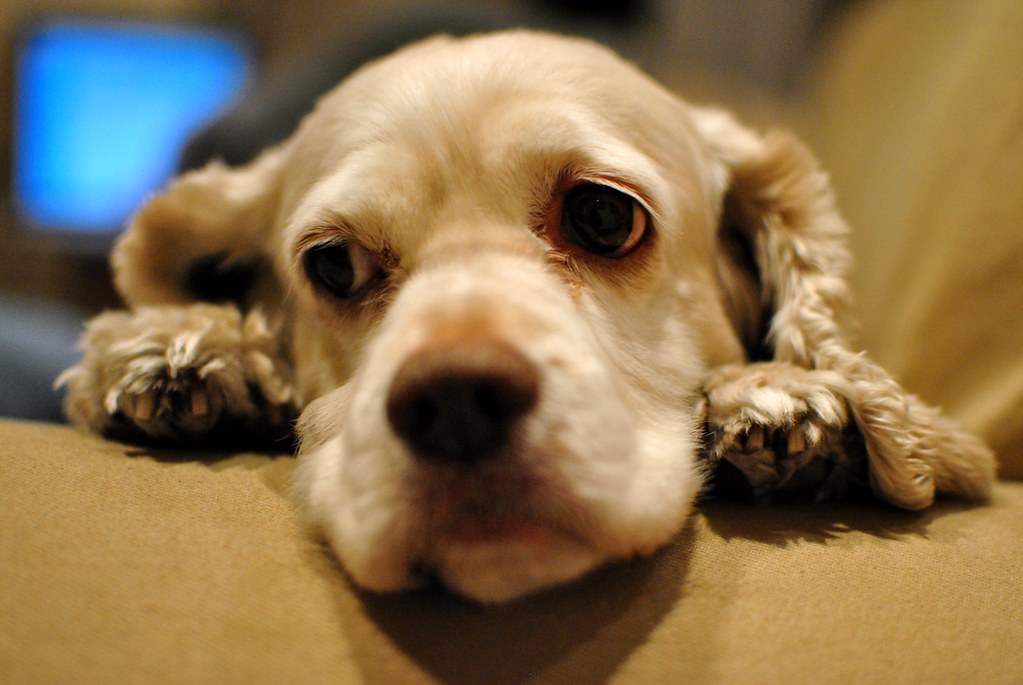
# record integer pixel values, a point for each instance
(522, 300)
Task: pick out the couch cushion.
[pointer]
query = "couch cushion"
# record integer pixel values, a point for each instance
(124, 564)
(919, 119)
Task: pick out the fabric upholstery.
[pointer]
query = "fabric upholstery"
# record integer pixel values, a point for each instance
(125, 564)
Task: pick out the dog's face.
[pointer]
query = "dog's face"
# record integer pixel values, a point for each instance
(507, 267)
(500, 269)
(502, 249)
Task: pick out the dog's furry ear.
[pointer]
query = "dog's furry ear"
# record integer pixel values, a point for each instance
(204, 238)
(781, 231)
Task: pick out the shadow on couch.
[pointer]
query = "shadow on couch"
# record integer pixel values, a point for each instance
(581, 633)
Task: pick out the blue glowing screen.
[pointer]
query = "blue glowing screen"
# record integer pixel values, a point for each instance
(102, 110)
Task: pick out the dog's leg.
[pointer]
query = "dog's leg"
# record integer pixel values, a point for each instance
(784, 429)
(181, 373)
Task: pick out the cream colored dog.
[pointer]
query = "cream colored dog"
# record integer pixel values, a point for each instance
(520, 295)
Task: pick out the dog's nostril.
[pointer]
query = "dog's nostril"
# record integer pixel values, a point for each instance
(460, 401)
(421, 415)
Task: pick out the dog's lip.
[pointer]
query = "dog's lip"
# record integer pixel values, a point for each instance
(488, 491)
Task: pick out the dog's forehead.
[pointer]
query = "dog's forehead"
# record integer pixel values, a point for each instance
(442, 92)
(463, 75)
(490, 120)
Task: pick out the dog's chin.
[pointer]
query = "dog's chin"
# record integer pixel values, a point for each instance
(501, 560)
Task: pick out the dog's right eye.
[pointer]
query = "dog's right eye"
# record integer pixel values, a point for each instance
(342, 269)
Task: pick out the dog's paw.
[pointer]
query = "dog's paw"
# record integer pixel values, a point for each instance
(177, 388)
(179, 373)
(777, 429)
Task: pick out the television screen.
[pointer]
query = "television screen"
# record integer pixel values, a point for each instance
(102, 110)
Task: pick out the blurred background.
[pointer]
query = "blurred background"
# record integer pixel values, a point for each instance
(102, 101)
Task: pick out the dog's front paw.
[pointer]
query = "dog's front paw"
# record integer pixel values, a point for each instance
(778, 429)
(177, 385)
(179, 373)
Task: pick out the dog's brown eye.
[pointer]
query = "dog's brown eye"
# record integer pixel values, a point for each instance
(602, 220)
(341, 269)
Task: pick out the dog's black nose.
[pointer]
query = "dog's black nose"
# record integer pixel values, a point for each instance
(459, 401)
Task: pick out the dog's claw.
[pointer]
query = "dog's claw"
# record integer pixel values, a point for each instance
(143, 406)
(200, 402)
(755, 439)
(796, 441)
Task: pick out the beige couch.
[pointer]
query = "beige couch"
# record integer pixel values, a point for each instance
(125, 564)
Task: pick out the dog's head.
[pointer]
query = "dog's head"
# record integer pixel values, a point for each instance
(509, 261)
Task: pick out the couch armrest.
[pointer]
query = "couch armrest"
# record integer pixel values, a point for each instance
(124, 564)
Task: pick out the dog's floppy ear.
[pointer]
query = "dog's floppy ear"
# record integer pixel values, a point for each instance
(204, 238)
(780, 225)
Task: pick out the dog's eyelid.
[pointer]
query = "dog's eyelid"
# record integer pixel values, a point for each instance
(627, 183)
(622, 184)
(622, 187)
(331, 228)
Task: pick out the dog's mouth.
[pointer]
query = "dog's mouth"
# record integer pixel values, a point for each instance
(494, 508)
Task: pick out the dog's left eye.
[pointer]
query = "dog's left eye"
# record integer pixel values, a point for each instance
(342, 269)
(602, 219)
